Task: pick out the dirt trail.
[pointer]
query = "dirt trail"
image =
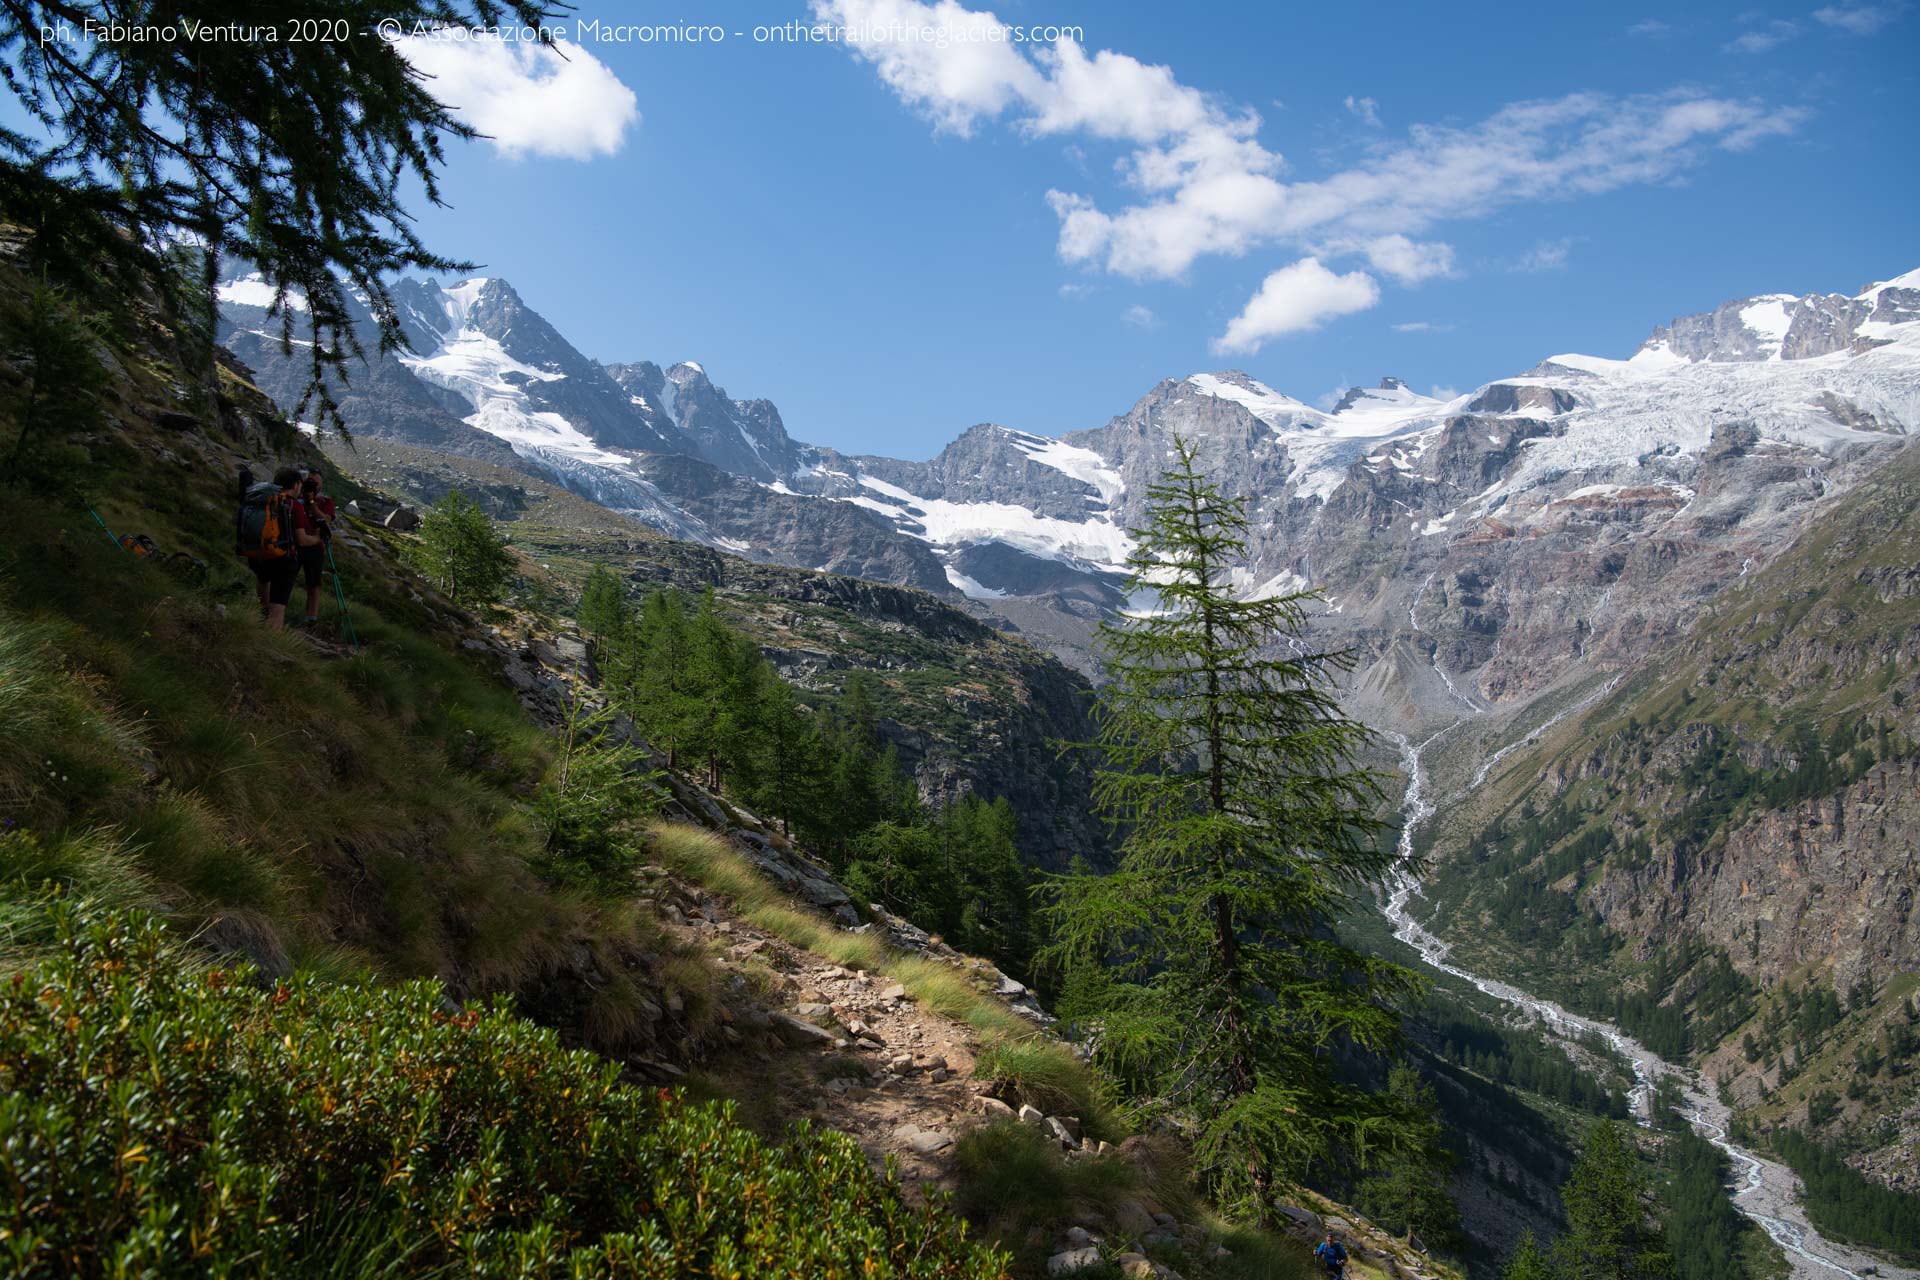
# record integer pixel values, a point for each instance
(846, 1049)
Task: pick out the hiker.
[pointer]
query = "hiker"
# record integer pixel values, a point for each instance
(264, 535)
(1332, 1255)
(312, 531)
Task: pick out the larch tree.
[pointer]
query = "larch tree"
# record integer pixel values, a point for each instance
(463, 552)
(1612, 1233)
(289, 149)
(1206, 961)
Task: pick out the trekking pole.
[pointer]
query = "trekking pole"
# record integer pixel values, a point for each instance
(103, 526)
(352, 638)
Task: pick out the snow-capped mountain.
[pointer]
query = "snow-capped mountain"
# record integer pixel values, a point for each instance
(1471, 548)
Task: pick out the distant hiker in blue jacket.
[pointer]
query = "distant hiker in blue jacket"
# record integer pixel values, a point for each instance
(1332, 1255)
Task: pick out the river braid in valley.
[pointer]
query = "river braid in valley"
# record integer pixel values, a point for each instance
(1766, 1191)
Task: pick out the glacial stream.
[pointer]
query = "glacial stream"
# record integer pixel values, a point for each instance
(1763, 1190)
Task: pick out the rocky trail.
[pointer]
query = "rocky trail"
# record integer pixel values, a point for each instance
(849, 1050)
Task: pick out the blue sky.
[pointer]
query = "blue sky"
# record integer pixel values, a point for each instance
(864, 233)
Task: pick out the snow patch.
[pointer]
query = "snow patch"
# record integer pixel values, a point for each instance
(254, 291)
(1098, 541)
(972, 589)
(1083, 465)
(1769, 318)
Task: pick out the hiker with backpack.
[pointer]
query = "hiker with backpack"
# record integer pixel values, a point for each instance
(312, 531)
(264, 535)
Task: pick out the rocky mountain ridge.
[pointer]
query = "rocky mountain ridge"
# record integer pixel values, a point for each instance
(1540, 522)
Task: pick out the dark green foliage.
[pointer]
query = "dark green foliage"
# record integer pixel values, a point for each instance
(1529, 1262)
(1692, 998)
(1013, 1180)
(1795, 1023)
(1845, 1205)
(463, 552)
(289, 152)
(1719, 784)
(1522, 1060)
(54, 342)
(1611, 1231)
(594, 793)
(1221, 989)
(1407, 1192)
(1704, 1230)
(703, 694)
(159, 1119)
(603, 606)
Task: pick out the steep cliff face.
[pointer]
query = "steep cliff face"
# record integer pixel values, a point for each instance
(1728, 836)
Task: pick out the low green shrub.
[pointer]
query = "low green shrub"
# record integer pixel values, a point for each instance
(1014, 1181)
(159, 1119)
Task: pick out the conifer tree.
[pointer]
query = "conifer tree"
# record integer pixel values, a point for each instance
(1529, 1262)
(664, 694)
(290, 153)
(1611, 1235)
(782, 763)
(603, 611)
(1224, 758)
(1408, 1190)
(463, 552)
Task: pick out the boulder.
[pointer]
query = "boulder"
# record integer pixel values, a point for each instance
(1301, 1222)
(1032, 1115)
(924, 1141)
(1069, 1261)
(800, 1031)
(402, 520)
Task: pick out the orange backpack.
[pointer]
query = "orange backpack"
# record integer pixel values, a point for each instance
(264, 529)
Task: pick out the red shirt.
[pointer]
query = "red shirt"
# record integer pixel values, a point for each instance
(303, 518)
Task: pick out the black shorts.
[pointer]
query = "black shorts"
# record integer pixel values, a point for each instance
(278, 573)
(312, 561)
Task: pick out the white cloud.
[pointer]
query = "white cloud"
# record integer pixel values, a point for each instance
(529, 99)
(1859, 19)
(1294, 299)
(1075, 289)
(1548, 255)
(1408, 261)
(1423, 326)
(1647, 27)
(1366, 108)
(1444, 393)
(1140, 317)
(1199, 181)
(1764, 38)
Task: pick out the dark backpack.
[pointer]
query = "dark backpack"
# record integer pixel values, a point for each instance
(264, 528)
